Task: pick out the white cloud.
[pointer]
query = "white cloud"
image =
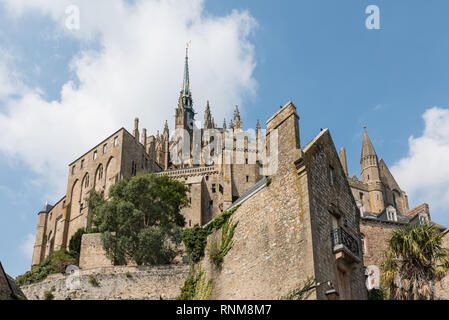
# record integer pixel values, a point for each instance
(137, 72)
(27, 246)
(424, 172)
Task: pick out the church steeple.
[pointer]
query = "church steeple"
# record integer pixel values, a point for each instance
(186, 92)
(185, 115)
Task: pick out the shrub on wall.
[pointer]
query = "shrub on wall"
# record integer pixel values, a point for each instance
(52, 264)
(195, 239)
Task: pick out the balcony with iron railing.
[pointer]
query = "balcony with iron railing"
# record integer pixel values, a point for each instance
(345, 246)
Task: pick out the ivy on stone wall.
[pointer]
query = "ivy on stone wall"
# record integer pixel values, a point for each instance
(195, 239)
(196, 287)
(218, 252)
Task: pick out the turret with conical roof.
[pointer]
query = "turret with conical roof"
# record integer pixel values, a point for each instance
(369, 164)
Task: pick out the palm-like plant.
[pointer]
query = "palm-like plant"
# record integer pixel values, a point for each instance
(414, 260)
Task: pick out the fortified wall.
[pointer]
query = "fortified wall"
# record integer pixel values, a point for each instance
(286, 225)
(113, 283)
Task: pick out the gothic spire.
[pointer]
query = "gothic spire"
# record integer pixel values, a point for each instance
(186, 92)
(257, 129)
(237, 121)
(207, 117)
(186, 79)
(367, 146)
(224, 124)
(166, 132)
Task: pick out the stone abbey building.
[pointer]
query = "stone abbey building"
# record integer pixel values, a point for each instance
(307, 218)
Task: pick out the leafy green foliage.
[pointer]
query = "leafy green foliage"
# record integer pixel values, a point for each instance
(94, 202)
(217, 253)
(188, 289)
(75, 242)
(195, 286)
(302, 292)
(203, 288)
(141, 221)
(415, 258)
(195, 239)
(52, 264)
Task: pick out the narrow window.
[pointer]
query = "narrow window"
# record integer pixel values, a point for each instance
(115, 141)
(190, 223)
(220, 188)
(207, 178)
(363, 242)
(332, 175)
(82, 163)
(213, 188)
(105, 148)
(95, 155)
(247, 178)
(246, 160)
(73, 170)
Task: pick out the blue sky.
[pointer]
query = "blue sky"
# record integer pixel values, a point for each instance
(260, 54)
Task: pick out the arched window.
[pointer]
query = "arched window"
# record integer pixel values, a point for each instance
(100, 172)
(86, 181)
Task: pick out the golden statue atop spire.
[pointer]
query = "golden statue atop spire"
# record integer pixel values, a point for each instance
(188, 45)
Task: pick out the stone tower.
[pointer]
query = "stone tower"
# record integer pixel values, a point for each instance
(369, 165)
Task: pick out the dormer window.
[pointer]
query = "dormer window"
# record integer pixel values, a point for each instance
(391, 214)
(423, 218)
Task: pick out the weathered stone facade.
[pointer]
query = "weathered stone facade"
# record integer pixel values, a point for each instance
(130, 282)
(8, 288)
(213, 187)
(92, 254)
(309, 220)
(285, 229)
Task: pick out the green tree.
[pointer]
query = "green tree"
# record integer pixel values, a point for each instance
(414, 260)
(142, 221)
(75, 242)
(94, 201)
